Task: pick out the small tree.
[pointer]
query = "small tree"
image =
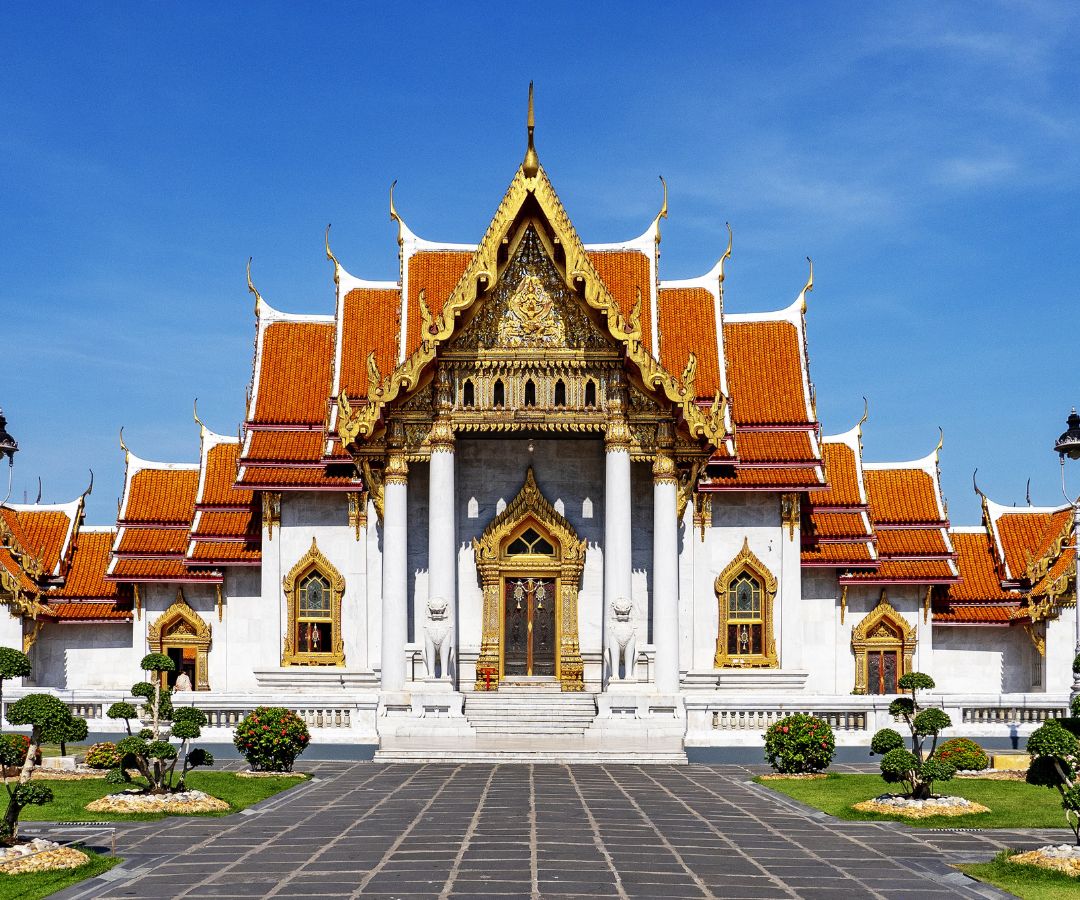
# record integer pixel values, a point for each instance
(799, 743)
(13, 664)
(76, 730)
(916, 769)
(1055, 758)
(42, 712)
(149, 750)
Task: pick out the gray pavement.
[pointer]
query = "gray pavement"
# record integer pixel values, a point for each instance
(550, 831)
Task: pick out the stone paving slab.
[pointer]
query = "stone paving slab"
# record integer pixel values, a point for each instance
(539, 831)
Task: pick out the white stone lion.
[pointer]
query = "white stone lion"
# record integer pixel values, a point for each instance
(622, 639)
(438, 647)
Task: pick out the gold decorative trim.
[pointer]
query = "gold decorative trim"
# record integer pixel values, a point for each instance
(358, 512)
(271, 512)
(358, 423)
(30, 637)
(883, 628)
(746, 561)
(373, 481)
(530, 507)
(396, 470)
(702, 514)
(441, 437)
(790, 513)
(1038, 637)
(181, 626)
(219, 602)
(664, 470)
(843, 602)
(314, 561)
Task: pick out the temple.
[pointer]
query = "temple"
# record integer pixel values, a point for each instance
(534, 498)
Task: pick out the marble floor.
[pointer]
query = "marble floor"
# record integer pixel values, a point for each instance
(364, 829)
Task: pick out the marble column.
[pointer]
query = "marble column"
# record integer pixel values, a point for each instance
(395, 626)
(442, 538)
(665, 572)
(618, 513)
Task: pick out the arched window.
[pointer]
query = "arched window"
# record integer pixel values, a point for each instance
(745, 591)
(530, 393)
(590, 393)
(530, 541)
(468, 394)
(499, 394)
(560, 393)
(313, 591)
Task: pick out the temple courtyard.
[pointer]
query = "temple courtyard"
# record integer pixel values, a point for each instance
(371, 830)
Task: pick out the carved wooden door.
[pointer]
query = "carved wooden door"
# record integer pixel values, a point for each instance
(881, 671)
(529, 626)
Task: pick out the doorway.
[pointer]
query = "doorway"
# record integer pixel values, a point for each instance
(529, 626)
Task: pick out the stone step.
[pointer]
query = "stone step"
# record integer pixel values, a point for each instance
(536, 756)
(538, 729)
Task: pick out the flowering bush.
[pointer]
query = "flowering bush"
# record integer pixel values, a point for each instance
(19, 744)
(962, 753)
(271, 738)
(103, 756)
(799, 743)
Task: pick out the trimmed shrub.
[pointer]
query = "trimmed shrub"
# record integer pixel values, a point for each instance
(885, 740)
(102, 756)
(799, 743)
(15, 747)
(271, 738)
(1055, 760)
(963, 753)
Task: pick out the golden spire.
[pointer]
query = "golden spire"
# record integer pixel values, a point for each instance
(251, 286)
(531, 165)
(394, 217)
(865, 413)
(941, 441)
(727, 252)
(808, 287)
(330, 255)
(90, 487)
(123, 446)
(195, 409)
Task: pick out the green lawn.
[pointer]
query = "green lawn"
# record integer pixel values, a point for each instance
(71, 797)
(1027, 882)
(1013, 804)
(34, 885)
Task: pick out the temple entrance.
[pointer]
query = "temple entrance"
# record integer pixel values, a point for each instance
(529, 561)
(881, 671)
(529, 635)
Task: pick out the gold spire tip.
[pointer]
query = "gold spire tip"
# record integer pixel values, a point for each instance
(123, 446)
(865, 412)
(195, 411)
(531, 165)
(941, 440)
(251, 286)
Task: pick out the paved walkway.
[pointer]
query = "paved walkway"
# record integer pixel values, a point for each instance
(362, 829)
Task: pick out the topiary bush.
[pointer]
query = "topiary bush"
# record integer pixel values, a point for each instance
(799, 743)
(19, 743)
(13, 664)
(1055, 757)
(271, 738)
(963, 753)
(918, 768)
(102, 756)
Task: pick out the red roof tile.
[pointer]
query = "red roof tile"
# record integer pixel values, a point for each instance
(295, 373)
(627, 276)
(161, 496)
(371, 321)
(765, 376)
(901, 496)
(436, 273)
(687, 319)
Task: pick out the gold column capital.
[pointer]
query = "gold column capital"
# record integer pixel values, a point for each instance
(397, 469)
(442, 437)
(664, 470)
(617, 434)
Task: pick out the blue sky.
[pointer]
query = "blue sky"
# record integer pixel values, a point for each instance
(927, 156)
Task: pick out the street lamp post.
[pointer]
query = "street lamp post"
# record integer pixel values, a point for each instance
(1069, 445)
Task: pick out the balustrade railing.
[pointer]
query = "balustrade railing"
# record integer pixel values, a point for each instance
(761, 719)
(1011, 715)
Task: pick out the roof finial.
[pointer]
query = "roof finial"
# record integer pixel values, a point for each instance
(198, 421)
(38, 500)
(531, 165)
(865, 412)
(808, 287)
(123, 446)
(941, 440)
(1027, 493)
(90, 487)
(251, 287)
(975, 484)
(727, 252)
(394, 217)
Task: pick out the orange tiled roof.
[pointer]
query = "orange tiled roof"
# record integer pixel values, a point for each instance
(142, 569)
(978, 570)
(774, 447)
(161, 496)
(371, 320)
(894, 542)
(901, 496)
(285, 446)
(842, 475)
(627, 275)
(220, 477)
(86, 577)
(294, 373)
(1020, 533)
(1063, 568)
(77, 612)
(760, 478)
(920, 571)
(44, 534)
(281, 476)
(152, 541)
(436, 273)
(224, 552)
(830, 525)
(11, 519)
(764, 370)
(977, 613)
(839, 553)
(228, 524)
(687, 320)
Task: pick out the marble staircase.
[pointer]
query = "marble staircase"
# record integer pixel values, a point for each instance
(530, 712)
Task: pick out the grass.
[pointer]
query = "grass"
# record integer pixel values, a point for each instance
(71, 797)
(1013, 804)
(34, 885)
(1027, 882)
(72, 749)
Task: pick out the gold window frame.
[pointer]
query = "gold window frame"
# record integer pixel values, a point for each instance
(883, 628)
(746, 562)
(313, 561)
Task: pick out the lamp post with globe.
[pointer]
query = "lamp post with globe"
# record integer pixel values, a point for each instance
(1068, 445)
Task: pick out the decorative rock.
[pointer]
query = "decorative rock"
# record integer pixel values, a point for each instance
(64, 763)
(39, 855)
(248, 773)
(1060, 857)
(180, 802)
(799, 776)
(895, 805)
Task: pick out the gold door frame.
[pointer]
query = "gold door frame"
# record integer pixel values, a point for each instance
(180, 626)
(883, 628)
(530, 509)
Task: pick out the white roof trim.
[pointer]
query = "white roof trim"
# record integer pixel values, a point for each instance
(791, 313)
(71, 510)
(412, 243)
(346, 283)
(967, 529)
(97, 529)
(268, 315)
(643, 243)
